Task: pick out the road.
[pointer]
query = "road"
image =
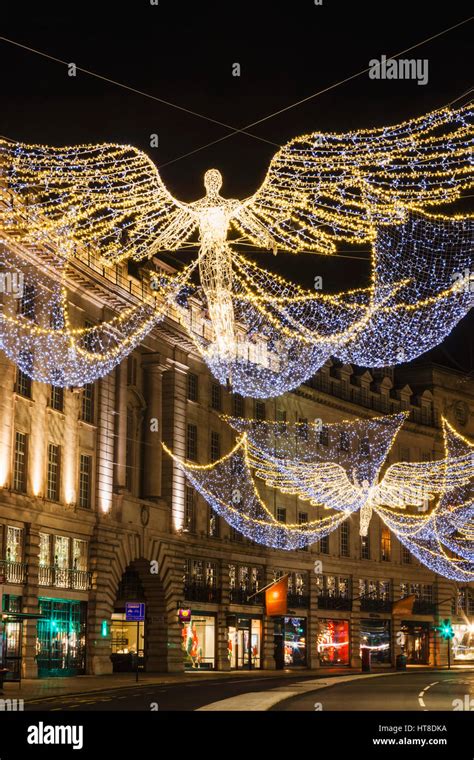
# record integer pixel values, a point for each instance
(413, 690)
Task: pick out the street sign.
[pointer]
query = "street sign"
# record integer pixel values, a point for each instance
(135, 612)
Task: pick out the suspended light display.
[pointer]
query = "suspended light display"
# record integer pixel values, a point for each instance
(309, 462)
(373, 186)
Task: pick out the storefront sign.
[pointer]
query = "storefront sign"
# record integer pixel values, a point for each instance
(184, 615)
(135, 612)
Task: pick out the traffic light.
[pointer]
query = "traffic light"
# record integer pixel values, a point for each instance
(446, 629)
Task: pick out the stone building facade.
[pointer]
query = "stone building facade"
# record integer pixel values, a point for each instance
(93, 514)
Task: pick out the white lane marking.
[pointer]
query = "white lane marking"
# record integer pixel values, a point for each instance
(263, 700)
(421, 694)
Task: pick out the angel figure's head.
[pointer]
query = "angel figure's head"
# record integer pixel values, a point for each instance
(212, 181)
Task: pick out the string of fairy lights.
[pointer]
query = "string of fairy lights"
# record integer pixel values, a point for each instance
(337, 467)
(380, 186)
(387, 187)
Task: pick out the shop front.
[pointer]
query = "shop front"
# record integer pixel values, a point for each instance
(244, 642)
(463, 642)
(128, 643)
(198, 640)
(333, 642)
(375, 635)
(415, 641)
(11, 634)
(292, 630)
(61, 638)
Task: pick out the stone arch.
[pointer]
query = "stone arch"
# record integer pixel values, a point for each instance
(112, 553)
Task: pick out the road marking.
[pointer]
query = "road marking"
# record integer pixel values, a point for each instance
(422, 693)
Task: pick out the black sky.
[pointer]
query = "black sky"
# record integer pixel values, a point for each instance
(184, 51)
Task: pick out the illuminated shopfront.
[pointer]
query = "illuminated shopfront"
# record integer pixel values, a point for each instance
(375, 636)
(11, 633)
(198, 641)
(127, 640)
(463, 642)
(61, 638)
(415, 641)
(244, 642)
(294, 641)
(333, 642)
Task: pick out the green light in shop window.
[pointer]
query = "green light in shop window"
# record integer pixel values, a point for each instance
(104, 628)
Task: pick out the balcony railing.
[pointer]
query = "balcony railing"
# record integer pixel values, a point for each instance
(201, 592)
(58, 577)
(424, 607)
(368, 604)
(13, 572)
(241, 596)
(334, 602)
(298, 600)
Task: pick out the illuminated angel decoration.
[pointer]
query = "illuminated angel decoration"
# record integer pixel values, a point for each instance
(302, 460)
(376, 186)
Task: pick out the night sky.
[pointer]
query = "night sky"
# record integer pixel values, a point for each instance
(183, 52)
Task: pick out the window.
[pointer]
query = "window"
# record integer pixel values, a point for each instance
(191, 442)
(302, 518)
(14, 544)
(85, 481)
(23, 384)
(260, 411)
(302, 428)
(404, 454)
(406, 556)
(20, 462)
(87, 403)
(235, 535)
(56, 316)
(364, 447)
(324, 545)
(213, 524)
(386, 542)
(216, 397)
(238, 405)
(27, 303)
(281, 514)
(365, 547)
(44, 549)
(190, 510)
(344, 441)
(61, 552)
(324, 436)
(54, 464)
(192, 387)
(79, 554)
(215, 446)
(281, 419)
(344, 539)
(56, 399)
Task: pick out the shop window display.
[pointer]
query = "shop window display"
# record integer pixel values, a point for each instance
(375, 635)
(295, 641)
(463, 643)
(333, 642)
(198, 641)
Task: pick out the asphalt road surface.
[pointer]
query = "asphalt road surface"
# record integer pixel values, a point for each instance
(419, 691)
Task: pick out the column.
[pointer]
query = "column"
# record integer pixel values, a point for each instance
(171, 572)
(313, 624)
(120, 427)
(223, 662)
(29, 668)
(105, 444)
(174, 435)
(153, 427)
(7, 377)
(103, 549)
(268, 628)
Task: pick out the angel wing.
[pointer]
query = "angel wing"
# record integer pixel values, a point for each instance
(325, 484)
(322, 188)
(411, 484)
(108, 196)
